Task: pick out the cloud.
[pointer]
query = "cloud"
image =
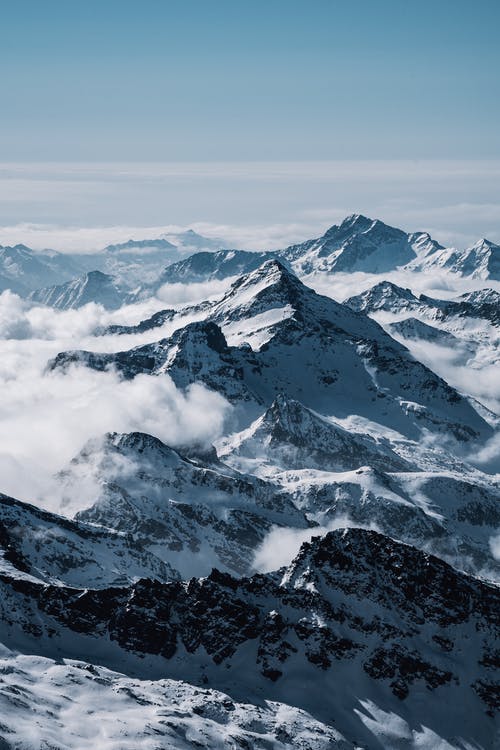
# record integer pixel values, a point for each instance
(47, 417)
(495, 546)
(259, 205)
(473, 375)
(184, 294)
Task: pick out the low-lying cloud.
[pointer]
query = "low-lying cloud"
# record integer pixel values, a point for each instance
(48, 416)
(281, 545)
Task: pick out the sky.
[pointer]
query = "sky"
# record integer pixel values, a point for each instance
(271, 119)
(198, 80)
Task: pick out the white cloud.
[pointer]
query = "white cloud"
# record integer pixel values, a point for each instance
(281, 545)
(185, 294)
(495, 546)
(260, 205)
(47, 417)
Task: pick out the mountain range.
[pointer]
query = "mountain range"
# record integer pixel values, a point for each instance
(140, 268)
(325, 574)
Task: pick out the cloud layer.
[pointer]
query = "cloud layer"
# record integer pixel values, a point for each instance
(259, 205)
(47, 417)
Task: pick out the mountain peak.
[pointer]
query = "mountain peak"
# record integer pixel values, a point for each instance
(357, 221)
(271, 273)
(383, 296)
(484, 244)
(98, 276)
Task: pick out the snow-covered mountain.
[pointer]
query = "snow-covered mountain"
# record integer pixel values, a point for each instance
(132, 264)
(290, 436)
(369, 626)
(23, 270)
(481, 261)
(192, 513)
(386, 296)
(93, 286)
(348, 364)
(325, 575)
(360, 244)
(357, 244)
(143, 266)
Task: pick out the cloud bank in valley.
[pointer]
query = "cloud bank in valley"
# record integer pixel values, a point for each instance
(47, 417)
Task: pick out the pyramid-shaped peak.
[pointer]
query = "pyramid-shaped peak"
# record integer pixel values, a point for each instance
(353, 224)
(484, 244)
(283, 407)
(271, 267)
(357, 221)
(357, 229)
(270, 273)
(389, 286)
(382, 293)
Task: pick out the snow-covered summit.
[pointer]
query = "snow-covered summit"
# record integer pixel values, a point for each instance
(385, 296)
(359, 244)
(481, 261)
(290, 436)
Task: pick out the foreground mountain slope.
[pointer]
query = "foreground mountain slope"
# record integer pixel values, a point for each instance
(362, 619)
(58, 696)
(348, 364)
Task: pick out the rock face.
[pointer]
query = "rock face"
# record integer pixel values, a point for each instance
(397, 621)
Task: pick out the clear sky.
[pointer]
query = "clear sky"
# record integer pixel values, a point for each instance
(196, 80)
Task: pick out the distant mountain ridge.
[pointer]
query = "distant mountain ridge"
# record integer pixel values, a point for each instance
(93, 287)
(142, 267)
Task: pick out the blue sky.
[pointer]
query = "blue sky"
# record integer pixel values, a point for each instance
(197, 80)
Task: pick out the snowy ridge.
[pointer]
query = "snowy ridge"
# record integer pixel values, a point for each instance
(377, 378)
(191, 513)
(353, 602)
